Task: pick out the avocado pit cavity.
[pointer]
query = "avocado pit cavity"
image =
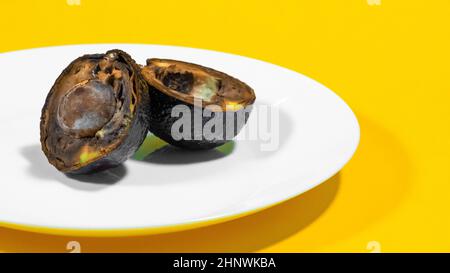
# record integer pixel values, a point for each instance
(86, 108)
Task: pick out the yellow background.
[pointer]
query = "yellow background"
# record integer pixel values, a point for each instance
(390, 63)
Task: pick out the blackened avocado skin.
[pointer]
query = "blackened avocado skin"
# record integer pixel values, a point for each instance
(161, 122)
(174, 83)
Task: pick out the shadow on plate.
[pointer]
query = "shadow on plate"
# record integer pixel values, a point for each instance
(106, 177)
(154, 150)
(42, 170)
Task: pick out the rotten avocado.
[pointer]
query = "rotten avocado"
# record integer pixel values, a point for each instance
(96, 114)
(222, 102)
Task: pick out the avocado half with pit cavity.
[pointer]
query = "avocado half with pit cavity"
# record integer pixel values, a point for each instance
(193, 106)
(95, 115)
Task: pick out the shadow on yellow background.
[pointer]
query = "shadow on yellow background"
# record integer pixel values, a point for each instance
(370, 187)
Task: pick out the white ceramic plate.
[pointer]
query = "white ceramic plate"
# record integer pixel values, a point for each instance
(169, 189)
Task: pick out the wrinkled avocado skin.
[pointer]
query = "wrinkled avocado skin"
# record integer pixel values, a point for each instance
(161, 121)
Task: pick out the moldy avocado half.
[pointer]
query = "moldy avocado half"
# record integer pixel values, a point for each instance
(201, 89)
(96, 114)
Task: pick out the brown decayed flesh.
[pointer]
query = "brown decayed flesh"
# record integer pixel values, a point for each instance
(187, 82)
(95, 109)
